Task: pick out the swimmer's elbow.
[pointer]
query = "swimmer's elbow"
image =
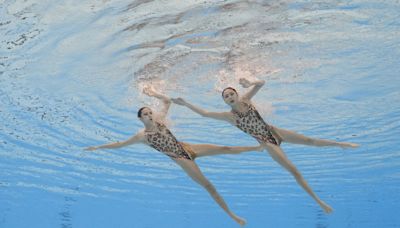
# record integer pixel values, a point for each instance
(167, 101)
(205, 114)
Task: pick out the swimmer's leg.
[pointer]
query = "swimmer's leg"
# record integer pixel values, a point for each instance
(279, 156)
(202, 150)
(195, 173)
(294, 137)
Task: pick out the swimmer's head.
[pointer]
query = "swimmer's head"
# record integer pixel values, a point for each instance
(230, 96)
(145, 115)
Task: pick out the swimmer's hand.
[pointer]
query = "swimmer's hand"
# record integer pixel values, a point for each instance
(149, 91)
(178, 101)
(245, 82)
(91, 148)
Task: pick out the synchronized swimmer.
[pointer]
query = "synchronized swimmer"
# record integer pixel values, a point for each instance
(157, 135)
(244, 116)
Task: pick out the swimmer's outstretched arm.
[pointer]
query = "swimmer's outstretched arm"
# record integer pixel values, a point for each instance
(166, 100)
(138, 138)
(226, 116)
(257, 84)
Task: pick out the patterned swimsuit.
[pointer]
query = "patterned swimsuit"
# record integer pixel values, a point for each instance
(251, 122)
(164, 141)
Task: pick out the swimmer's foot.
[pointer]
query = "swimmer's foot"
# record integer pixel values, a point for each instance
(346, 145)
(327, 209)
(239, 220)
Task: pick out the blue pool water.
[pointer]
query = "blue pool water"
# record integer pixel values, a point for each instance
(71, 75)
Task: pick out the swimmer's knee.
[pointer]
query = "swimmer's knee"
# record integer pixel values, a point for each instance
(310, 141)
(293, 170)
(210, 187)
(296, 174)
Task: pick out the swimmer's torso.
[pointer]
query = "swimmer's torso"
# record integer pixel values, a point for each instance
(251, 122)
(164, 141)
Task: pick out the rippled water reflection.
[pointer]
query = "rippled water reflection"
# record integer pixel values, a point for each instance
(71, 75)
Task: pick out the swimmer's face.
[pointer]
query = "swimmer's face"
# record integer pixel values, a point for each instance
(230, 97)
(146, 115)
